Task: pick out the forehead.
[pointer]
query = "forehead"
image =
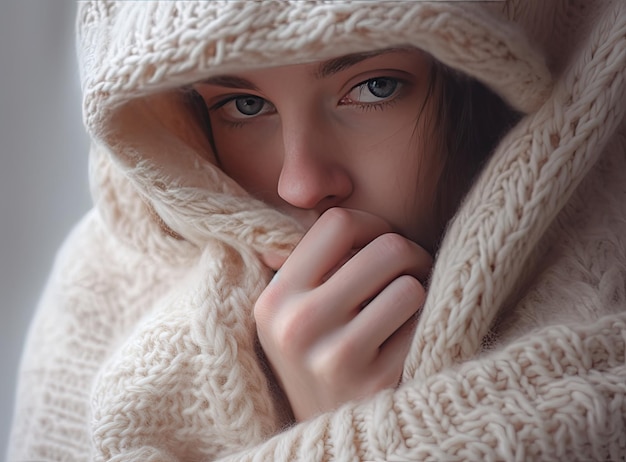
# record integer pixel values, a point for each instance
(319, 70)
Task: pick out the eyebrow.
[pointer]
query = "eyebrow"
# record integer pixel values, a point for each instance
(335, 65)
(324, 70)
(230, 81)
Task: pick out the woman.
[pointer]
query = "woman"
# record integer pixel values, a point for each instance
(355, 149)
(330, 120)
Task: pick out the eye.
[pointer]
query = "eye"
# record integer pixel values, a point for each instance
(373, 90)
(249, 105)
(244, 106)
(383, 87)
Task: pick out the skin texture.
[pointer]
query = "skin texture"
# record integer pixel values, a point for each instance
(342, 146)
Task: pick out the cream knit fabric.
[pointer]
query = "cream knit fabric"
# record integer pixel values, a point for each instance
(143, 347)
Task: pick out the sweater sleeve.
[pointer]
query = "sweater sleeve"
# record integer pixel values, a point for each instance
(557, 394)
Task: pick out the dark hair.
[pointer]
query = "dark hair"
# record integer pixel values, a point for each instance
(472, 120)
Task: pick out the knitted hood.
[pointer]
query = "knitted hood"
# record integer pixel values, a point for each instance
(135, 56)
(157, 189)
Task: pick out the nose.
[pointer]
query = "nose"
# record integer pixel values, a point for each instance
(315, 173)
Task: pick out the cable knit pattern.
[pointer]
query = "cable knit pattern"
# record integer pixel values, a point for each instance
(144, 346)
(519, 195)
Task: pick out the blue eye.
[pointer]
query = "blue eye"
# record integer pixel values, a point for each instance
(242, 107)
(382, 87)
(249, 105)
(372, 91)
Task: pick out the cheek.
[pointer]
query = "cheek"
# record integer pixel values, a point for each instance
(249, 156)
(388, 179)
(401, 173)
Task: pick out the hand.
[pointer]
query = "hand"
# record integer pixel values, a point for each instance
(336, 325)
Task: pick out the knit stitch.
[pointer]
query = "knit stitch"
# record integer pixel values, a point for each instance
(144, 346)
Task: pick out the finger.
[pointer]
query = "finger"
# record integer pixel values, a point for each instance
(273, 260)
(396, 304)
(374, 267)
(393, 353)
(332, 237)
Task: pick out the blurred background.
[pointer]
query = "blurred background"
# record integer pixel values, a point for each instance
(43, 166)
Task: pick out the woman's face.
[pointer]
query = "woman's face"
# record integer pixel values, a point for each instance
(347, 132)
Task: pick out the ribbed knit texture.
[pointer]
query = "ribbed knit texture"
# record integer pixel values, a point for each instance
(144, 344)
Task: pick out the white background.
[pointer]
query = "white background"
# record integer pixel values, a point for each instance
(43, 165)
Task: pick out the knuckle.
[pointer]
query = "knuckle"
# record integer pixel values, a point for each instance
(411, 286)
(410, 290)
(263, 310)
(326, 370)
(284, 324)
(293, 329)
(332, 363)
(287, 335)
(337, 216)
(345, 352)
(395, 245)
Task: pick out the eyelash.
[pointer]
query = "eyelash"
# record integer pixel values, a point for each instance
(383, 103)
(364, 107)
(229, 123)
(234, 125)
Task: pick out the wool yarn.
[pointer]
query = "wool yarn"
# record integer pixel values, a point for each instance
(143, 347)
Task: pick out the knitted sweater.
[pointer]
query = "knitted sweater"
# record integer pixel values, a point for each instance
(144, 346)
